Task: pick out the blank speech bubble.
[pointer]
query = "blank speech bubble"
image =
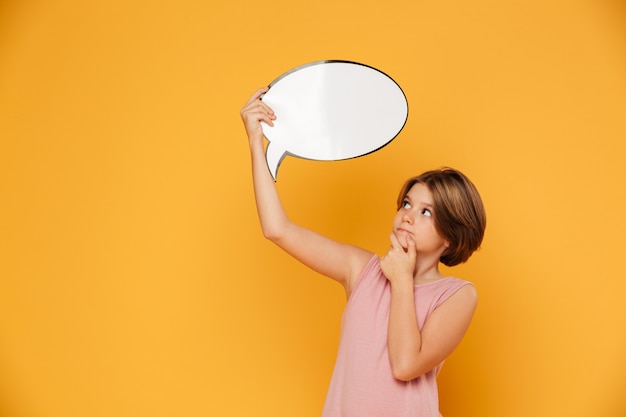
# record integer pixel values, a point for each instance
(332, 110)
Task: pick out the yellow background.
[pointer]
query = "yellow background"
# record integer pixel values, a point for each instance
(134, 280)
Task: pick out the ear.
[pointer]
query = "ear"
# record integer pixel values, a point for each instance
(446, 247)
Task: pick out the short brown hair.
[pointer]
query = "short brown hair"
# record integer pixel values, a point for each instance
(459, 214)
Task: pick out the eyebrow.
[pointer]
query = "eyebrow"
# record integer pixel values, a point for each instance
(423, 203)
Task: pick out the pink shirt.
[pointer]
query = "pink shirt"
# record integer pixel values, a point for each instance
(362, 383)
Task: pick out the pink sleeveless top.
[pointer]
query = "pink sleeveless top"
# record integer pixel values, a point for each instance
(362, 384)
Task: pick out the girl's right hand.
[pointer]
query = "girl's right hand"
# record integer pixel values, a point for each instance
(399, 264)
(255, 112)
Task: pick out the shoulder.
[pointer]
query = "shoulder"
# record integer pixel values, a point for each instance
(461, 288)
(467, 292)
(446, 291)
(461, 296)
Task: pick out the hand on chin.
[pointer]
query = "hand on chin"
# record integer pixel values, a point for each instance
(402, 237)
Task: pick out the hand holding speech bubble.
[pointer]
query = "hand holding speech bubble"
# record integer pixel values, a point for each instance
(332, 110)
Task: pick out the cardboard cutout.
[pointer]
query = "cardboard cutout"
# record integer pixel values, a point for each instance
(332, 110)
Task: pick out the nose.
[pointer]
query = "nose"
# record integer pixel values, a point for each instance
(407, 217)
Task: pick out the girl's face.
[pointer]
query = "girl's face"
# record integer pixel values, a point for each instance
(415, 218)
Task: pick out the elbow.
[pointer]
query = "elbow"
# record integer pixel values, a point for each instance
(268, 234)
(408, 371)
(271, 234)
(275, 231)
(402, 373)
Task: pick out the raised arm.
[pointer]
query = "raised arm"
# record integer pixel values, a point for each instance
(336, 260)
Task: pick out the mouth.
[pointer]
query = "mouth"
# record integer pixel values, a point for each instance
(401, 230)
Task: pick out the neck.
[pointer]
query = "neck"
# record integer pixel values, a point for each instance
(427, 271)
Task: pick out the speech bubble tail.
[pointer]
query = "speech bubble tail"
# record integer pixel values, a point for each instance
(274, 155)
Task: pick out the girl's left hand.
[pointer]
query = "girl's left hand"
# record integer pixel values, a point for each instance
(399, 264)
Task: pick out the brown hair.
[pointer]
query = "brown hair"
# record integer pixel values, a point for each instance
(459, 214)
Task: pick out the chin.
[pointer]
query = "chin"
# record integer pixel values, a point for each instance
(403, 240)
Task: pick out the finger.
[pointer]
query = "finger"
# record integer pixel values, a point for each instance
(261, 116)
(269, 119)
(411, 245)
(257, 107)
(394, 241)
(267, 109)
(257, 94)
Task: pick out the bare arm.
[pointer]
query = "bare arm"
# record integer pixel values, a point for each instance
(338, 261)
(413, 353)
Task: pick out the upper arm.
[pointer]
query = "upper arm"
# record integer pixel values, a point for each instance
(445, 328)
(339, 261)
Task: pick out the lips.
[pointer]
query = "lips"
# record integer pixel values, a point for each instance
(401, 230)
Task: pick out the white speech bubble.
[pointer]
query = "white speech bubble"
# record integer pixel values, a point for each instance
(332, 110)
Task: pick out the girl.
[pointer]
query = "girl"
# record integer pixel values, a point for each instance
(403, 316)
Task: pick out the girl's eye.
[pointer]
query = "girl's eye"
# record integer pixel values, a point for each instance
(406, 204)
(426, 212)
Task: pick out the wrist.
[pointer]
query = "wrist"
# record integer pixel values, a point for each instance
(402, 281)
(256, 144)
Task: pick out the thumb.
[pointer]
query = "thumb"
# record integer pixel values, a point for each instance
(411, 246)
